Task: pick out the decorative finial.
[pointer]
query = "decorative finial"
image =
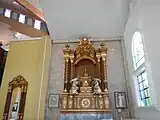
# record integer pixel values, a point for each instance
(102, 44)
(84, 38)
(67, 46)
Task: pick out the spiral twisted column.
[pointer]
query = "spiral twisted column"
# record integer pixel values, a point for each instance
(98, 55)
(103, 50)
(66, 72)
(72, 64)
(105, 74)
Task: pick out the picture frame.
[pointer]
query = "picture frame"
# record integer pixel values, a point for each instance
(53, 101)
(120, 100)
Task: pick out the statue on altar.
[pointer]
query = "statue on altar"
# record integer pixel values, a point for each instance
(74, 87)
(97, 89)
(85, 82)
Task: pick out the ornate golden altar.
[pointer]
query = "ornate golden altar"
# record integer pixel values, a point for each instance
(85, 78)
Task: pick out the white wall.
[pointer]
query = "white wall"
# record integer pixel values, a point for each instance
(36, 4)
(145, 17)
(69, 19)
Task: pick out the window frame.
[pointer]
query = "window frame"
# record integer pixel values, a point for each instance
(37, 24)
(140, 69)
(7, 13)
(22, 18)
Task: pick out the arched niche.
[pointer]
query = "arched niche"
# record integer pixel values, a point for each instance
(85, 64)
(16, 97)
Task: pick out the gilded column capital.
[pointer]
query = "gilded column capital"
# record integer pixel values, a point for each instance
(103, 51)
(66, 58)
(71, 56)
(66, 52)
(98, 55)
(103, 57)
(71, 59)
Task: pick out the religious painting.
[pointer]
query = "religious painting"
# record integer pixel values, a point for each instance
(120, 100)
(53, 100)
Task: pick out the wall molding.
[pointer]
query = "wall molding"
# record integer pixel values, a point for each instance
(94, 39)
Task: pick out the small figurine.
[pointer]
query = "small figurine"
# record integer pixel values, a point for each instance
(74, 87)
(97, 89)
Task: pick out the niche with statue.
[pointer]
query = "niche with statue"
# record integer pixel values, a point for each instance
(16, 97)
(85, 78)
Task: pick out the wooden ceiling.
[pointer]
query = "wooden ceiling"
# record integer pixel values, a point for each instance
(17, 7)
(22, 28)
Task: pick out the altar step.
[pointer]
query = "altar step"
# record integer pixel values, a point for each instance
(86, 117)
(131, 119)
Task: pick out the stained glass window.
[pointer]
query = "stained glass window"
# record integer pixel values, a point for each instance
(144, 89)
(138, 50)
(140, 70)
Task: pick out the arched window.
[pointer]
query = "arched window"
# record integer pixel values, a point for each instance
(138, 55)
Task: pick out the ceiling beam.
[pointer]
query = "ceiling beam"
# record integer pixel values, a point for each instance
(20, 10)
(26, 4)
(22, 28)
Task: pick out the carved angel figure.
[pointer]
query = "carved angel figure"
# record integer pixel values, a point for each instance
(97, 88)
(74, 87)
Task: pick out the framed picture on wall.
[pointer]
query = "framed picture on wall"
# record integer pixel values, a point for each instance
(53, 101)
(120, 100)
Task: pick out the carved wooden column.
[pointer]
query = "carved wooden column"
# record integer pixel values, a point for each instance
(8, 102)
(72, 63)
(66, 52)
(98, 55)
(103, 50)
(22, 102)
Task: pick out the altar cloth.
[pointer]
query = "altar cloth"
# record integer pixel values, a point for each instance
(86, 117)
